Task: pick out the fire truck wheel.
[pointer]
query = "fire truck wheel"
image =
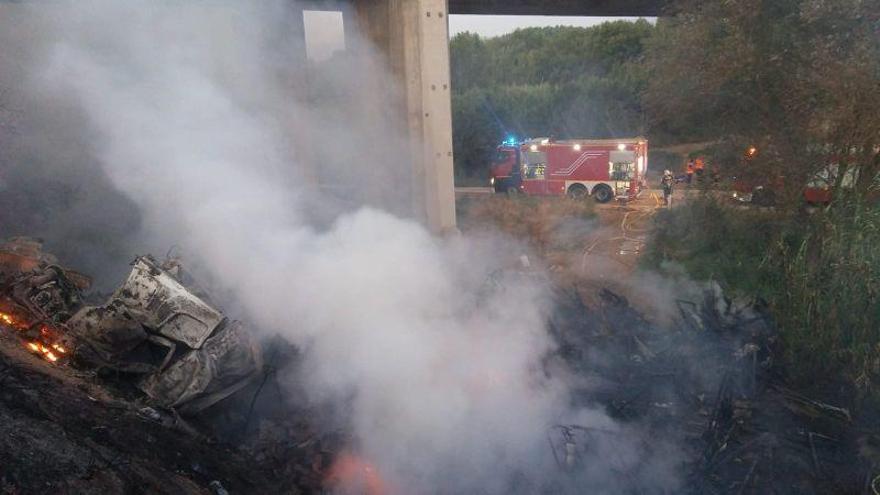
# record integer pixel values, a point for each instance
(577, 191)
(501, 186)
(602, 193)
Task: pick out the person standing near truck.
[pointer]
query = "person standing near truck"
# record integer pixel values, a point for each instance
(699, 165)
(667, 182)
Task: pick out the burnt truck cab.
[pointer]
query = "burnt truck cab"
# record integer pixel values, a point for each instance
(185, 353)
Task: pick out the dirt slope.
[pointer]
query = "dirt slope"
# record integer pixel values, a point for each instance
(62, 433)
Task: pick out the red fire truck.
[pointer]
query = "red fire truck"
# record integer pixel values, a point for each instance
(603, 168)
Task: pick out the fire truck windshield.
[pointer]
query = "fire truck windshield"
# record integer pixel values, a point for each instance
(535, 157)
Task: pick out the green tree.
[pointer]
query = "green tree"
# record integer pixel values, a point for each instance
(474, 135)
(562, 81)
(799, 79)
(470, 62)
(796, 78)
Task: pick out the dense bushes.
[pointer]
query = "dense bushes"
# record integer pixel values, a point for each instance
(714, 241)
(826, 294)
(819, 272)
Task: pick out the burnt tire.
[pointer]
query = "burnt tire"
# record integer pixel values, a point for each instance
(602, 193)
(577, 191)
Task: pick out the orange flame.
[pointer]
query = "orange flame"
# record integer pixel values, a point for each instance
(46, 352)
(49, 352)
(352, 474)
(11, 321)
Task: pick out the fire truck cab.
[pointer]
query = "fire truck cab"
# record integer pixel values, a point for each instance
(603, 168)
(506, 167)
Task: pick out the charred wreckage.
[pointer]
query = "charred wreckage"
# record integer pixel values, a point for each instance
(711, 386)
(157, 327)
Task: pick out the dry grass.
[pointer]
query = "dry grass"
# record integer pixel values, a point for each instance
(547, 224)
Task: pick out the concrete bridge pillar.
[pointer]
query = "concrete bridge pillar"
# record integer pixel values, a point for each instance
(413, 35)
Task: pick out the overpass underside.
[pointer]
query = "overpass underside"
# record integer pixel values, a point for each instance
(616, 8)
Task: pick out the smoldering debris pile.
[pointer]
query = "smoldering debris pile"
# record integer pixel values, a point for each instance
(712, 387)
(62, 430)
(185, 353)
(704, 404)
(154, 384)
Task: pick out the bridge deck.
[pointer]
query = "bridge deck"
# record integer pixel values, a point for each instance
(635, 8)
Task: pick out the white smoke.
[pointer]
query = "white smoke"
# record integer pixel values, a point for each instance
(192, 114)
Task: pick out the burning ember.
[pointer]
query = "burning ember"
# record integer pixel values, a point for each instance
(352, 474)
(9, 320)
(50, 353)
(45, 345)
(37, 296)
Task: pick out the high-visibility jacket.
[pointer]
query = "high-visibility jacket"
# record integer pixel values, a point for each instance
(699, 164)
(690, 168)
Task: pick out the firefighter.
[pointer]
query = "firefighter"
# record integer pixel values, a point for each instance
(690, 171)
(699, 165)
(667, 182)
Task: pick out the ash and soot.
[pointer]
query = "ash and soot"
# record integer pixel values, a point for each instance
(178, 123)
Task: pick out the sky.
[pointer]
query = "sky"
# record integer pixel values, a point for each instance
(324, 31)
(496, 25)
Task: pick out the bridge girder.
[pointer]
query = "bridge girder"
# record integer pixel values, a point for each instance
(623, 8)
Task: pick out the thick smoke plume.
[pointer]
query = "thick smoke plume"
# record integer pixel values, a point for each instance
(193, 117)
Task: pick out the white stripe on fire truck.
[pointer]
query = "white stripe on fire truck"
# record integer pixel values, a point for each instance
(577, 163)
